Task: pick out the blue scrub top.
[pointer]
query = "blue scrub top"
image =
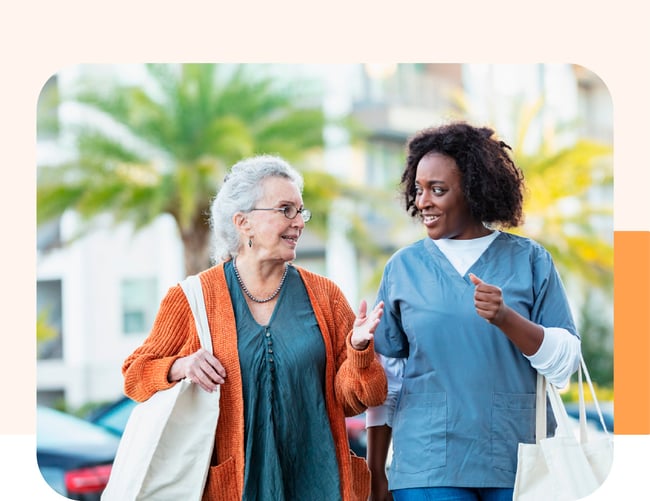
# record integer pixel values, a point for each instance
(468, 394)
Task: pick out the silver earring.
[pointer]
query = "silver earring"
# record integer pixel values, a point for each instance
(250, 242)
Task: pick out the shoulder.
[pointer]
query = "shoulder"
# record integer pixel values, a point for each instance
(538, 256)
(407, 261)
(213, 283)
(408, 253)
(214, 273)
(522, 242)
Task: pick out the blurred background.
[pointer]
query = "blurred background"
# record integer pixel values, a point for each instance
(130, 156)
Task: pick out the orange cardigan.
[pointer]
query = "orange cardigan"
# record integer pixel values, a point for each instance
(354, 379)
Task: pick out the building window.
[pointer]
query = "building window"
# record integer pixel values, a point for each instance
(139, 302)
(51, 398)
(49, 325)
(385, 163)
(48, 235)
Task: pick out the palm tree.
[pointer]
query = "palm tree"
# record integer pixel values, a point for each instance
(569, 203)
(568, 210)
(171, 142)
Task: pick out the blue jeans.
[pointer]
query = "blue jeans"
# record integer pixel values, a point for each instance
(453, 494)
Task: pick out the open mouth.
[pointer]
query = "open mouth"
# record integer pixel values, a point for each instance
(292, 239)
(429, 218)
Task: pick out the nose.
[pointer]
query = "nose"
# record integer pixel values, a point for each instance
(423, 200)
(298, 221)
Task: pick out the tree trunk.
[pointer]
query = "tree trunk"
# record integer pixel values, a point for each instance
(196, 246)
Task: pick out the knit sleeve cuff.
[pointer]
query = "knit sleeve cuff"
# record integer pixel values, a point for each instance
(360, 359)
(155, 374)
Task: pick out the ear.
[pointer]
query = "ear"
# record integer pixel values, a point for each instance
(241, 222)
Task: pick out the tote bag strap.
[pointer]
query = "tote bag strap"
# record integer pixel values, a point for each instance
(583, 369)
(561, 416)
(540, 408)
(193, 290)
(545, 388)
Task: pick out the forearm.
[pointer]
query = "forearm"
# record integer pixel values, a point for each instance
(525, 334)
(360, 380)
(558, 356)
(147, 369)
(145, 375)
(379, 438)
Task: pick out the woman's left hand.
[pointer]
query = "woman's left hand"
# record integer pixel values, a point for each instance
(365, 325)
(488, 301)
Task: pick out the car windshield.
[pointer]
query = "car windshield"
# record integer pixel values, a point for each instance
(114, 419)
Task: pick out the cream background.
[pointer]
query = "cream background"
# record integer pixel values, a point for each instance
(37, 39)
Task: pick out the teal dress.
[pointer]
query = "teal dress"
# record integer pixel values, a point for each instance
(290, 453)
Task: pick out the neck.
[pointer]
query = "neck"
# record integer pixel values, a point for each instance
(259, 284)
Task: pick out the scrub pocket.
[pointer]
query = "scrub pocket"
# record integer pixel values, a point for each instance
(420, 432)
(513, 421)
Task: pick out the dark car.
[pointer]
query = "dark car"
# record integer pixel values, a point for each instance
(73, 455)
(113, 418)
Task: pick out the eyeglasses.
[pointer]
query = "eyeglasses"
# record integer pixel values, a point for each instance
(290, 212)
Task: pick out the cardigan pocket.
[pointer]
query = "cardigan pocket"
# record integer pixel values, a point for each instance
(222, 482)
(513, 421)
(360, 478)
(420, 432)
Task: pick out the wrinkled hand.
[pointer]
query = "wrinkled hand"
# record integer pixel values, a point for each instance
(365, 325)
(202, 368)
(488, 301)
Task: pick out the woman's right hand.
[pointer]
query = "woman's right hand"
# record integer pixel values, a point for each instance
(201, 367)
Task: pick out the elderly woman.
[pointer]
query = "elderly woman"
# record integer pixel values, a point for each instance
(290, 355)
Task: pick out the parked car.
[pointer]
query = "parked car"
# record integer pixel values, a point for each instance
(607, 409)
(113, 417)
(74, 456)
(357, 435)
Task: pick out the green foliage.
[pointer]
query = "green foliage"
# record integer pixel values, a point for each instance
(172, 141)
(44, 331)
(562, 211)
(597, 342)
(571, 393)
(569, 203)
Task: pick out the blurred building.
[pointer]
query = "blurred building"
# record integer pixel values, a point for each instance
(101, 292)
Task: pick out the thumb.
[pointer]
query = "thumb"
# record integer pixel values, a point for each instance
(475, 280)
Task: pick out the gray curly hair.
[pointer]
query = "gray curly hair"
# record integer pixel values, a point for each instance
(241, 190)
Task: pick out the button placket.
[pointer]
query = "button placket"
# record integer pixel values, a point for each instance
(269, 351)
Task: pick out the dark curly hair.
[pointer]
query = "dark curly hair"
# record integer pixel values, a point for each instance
(493, 185)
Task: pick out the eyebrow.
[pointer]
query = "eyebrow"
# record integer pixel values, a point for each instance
(431, 182)
(287, 202)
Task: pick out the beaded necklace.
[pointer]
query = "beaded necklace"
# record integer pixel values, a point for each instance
(248, 293)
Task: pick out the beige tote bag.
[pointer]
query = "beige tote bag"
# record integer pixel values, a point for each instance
(166, 448)
(562, 467)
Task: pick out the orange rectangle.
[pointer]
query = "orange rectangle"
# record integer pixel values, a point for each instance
(632, 332)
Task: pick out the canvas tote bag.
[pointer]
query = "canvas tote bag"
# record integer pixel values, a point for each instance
(165, 451)
(562, 467)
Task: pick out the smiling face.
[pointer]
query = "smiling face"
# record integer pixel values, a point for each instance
(441, 202)
(274, 236)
